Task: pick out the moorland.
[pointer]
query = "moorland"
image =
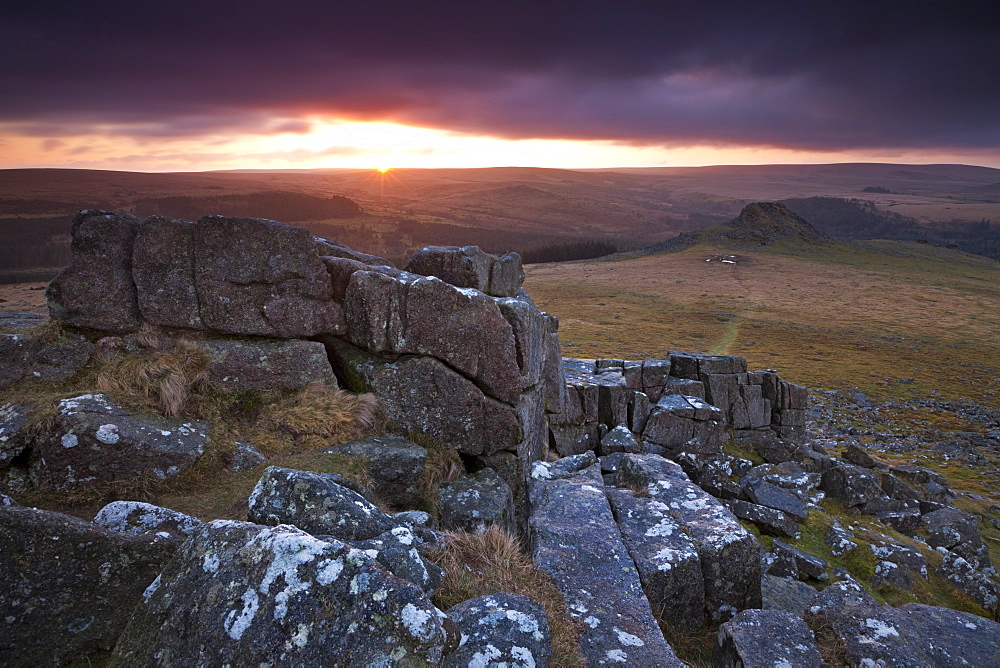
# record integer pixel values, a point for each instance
(544, 214)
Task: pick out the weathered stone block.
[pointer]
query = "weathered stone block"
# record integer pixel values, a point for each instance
(730, 555)
(95, 290)
(319, 503)
(276, 285)
(475, 502)
(764, 639)
(501, 629)
(667, 560)
(243, 364)
(851, 484)
(69, 586)
(395, 465)
(136, 517)
(576, 541)
(163, 270)
(279, 595)
(95, 441)
(422, 394)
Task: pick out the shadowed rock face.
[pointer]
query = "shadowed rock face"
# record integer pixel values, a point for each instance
(69, 586)
(242, 364)
(96, 290)
(423, 394)
(279, 595)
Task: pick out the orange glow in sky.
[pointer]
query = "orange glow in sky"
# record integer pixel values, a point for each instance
(379, 145)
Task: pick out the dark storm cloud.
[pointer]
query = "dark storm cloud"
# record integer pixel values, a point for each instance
(829, 76)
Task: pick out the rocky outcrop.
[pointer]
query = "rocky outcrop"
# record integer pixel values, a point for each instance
(649, 537)
(766, 638)
(96, 441)
(278, 594)
(681, 404)
(452, 347)
(69, 586)
(395, 465)
(500, 629)
(576, 541)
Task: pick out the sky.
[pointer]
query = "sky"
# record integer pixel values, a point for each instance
(185, 86)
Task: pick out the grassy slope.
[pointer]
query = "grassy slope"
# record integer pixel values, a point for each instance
(835, 315)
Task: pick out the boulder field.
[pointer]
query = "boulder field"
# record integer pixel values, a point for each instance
(644, 489)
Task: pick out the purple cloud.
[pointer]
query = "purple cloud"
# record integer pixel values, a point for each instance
(836, 76)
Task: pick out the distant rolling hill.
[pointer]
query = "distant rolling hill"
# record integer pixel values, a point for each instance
(894, 318)
(534, 211)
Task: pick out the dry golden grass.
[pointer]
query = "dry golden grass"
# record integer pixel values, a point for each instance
(693, 648)
(836, 317)
(162, 373)
(441, 466)
(492, 562)
(319, 416)
(152, 371)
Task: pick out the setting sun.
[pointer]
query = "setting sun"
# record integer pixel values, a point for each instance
(382, 170)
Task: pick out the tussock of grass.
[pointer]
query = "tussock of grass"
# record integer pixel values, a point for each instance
(492, 562)
(832, 650)
(161, 376)
(693, 648)
(442, 466)
(318, 416)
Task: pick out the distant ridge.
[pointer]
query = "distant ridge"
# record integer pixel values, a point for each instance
(759, 224)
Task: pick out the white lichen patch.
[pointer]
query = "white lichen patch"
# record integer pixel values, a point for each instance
(523, 656)
(417, 621)
(210, 563)
(617, 655)
(628, 639)
(68, 406)
(881, 630)
(288, 548)
(525, 622)
(485, 658)
(151, 589)
(107, 434)
(69, 440)
(300, 638)
(403, 535)
(540, 471)
(664, 527)
(236, 623)
(329, 571)
(592, 622)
